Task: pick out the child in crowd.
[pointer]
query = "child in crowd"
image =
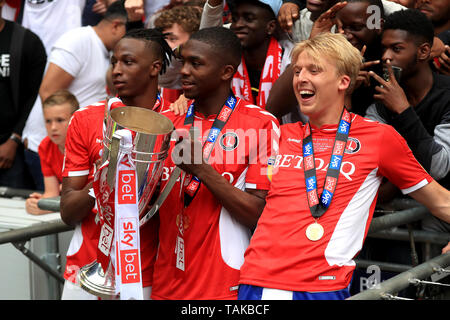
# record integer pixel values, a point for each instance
(58, 109)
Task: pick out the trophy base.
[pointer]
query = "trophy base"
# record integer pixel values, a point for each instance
(93, 280)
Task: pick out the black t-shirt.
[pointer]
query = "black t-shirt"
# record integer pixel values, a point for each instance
(445, 37)
(8, 115)
(417, 124)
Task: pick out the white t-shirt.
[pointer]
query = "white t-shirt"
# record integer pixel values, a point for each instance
(82, 54)
(49, 20)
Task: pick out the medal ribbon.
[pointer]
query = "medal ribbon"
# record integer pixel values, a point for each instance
(319, 206)
(127, 236)
(104, 198)
(271, 71)
(219, 123)
(191, 189)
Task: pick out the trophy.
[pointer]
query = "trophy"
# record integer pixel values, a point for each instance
(147, 148)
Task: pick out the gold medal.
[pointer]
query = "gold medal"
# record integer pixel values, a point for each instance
(314, 231)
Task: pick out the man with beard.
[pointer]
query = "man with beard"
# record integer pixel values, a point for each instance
(417, 106)
(438, 11)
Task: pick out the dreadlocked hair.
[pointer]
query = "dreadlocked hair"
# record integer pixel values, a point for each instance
(156, 41)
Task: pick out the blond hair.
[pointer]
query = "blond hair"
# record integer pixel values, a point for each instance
(60, 97)
(337, 49)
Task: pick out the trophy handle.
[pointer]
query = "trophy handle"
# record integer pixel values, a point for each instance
(193, 133)
(162, 196)
(113, 155)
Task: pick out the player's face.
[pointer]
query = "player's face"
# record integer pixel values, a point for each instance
(201, 69)
(249, 23)
(56, 122)
(131, 64)
(436, 10)
(176, 36)
(401, 50)
(317, 87)
(354, 24)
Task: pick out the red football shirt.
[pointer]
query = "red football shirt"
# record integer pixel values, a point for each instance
(84, 144)
(214, 241)
(52, 159)
(280, 256)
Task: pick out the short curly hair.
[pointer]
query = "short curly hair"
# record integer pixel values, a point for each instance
(188, 17)
(412, 21)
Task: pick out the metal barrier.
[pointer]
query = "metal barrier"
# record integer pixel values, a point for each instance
(387, 289)
(404, 212)
(49, 263)
(401, 212)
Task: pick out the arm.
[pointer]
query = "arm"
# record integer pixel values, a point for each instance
(443, 62)
(32, 69)
(76, 203)
(372, 113)
(326, 20)
(52, 188)
(436, 198)
(212, 14)
(432, 152)
(55, 79)
(246, 206)
(289, 12)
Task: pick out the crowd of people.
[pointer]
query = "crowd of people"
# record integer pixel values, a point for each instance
(307, 115)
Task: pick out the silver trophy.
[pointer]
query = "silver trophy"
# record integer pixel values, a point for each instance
(151, 142)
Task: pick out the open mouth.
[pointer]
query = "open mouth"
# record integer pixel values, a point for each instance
(307, 94)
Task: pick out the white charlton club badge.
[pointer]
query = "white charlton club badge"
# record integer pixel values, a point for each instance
(229, 141)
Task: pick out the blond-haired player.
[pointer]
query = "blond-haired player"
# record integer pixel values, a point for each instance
(325, 183)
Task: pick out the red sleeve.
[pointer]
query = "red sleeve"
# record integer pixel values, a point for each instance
(76, 156)
(257, 176)
(398, 164)
(44, 156)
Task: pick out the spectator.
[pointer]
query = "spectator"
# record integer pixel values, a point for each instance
(304, 20)
(80, 58)
(418, 106)
(282, 100)
(438, 11)
(364, 33)
(150, 22)
(439, 14)
(22, 64)
(179, 23)
(137, 60)
(304, 245)
(203, 237)
(41, 18)
(265, 55)
(58, 109)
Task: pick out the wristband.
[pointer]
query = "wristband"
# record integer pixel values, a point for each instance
(16, 139)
